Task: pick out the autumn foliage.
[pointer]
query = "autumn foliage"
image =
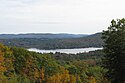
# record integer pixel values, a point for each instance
(17, 65)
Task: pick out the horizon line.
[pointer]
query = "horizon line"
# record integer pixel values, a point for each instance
(47, 33)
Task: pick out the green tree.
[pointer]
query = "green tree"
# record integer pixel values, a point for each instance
(114, 48)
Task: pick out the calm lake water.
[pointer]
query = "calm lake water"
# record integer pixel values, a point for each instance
(68, 51)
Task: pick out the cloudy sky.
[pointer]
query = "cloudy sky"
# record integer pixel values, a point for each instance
(58, 16)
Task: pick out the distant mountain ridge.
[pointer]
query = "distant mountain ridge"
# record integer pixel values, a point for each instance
(41, 35)
(58, 42)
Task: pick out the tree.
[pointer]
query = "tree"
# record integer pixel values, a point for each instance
(114, 48)
(42, 75)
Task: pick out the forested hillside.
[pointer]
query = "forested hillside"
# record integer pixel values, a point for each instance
(41, 35)
(18, 65)
(47, 43)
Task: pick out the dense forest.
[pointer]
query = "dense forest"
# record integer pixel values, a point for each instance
(55, 43)
(17, 65)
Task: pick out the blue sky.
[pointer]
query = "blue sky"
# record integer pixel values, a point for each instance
(58, 16)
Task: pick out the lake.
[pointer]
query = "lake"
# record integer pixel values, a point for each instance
(68, 51)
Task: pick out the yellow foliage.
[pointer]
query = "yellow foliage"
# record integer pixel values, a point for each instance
(92, 79)
(64, 77)
(41, 75)
(2, 67)
(72, 79)
(55, 79)
(1, 57)
(36, 74)
(5, 62)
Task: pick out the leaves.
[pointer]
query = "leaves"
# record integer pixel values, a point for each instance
(21, 66)
(114, 49)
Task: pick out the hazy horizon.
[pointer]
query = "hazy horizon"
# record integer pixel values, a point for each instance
(50, 33)
(58, 16)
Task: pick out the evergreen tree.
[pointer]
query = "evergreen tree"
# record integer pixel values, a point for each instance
(114, 48)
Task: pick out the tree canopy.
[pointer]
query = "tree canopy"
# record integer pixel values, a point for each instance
(114, 48)
(17, 65)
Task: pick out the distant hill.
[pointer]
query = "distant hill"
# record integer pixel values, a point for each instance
(58, 42)
(39, 35)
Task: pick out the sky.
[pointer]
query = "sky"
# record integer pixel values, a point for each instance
(58, 16)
